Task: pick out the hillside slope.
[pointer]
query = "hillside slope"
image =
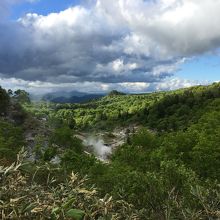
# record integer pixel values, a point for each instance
(172, 110)
(168, 169)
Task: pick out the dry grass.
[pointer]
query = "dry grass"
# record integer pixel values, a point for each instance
(21, 198)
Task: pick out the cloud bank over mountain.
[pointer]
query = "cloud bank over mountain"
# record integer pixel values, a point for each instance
(126, 44)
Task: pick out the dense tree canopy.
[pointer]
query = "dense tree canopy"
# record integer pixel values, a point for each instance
(168, 169)
(4, 101)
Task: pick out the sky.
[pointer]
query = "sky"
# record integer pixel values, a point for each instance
(95, 46)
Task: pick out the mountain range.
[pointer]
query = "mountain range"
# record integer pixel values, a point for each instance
(70, 97)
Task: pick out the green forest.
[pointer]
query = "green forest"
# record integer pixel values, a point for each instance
(167, 166)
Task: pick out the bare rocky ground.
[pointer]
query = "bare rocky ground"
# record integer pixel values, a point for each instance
(102, 144)
(36, 132)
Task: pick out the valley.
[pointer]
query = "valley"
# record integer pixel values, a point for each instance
(143, 154)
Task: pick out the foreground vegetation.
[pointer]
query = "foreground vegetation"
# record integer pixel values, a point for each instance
(24, 198)
(168, 169)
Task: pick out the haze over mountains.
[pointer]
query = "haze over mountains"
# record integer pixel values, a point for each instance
(70, 97)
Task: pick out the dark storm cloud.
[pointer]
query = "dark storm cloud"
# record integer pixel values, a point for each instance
(109, 42)
(57, 55)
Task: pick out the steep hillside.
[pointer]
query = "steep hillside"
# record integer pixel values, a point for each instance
(168, 167)
(12, 118)
(159, 111)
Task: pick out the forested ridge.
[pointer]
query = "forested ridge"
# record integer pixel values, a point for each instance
(167, 168)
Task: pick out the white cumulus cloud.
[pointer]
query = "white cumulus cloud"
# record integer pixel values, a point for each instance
(109, 43)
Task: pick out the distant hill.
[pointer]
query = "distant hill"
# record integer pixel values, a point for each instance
(70, 97)
(115, 93)
(166, 141)
(161, 111)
